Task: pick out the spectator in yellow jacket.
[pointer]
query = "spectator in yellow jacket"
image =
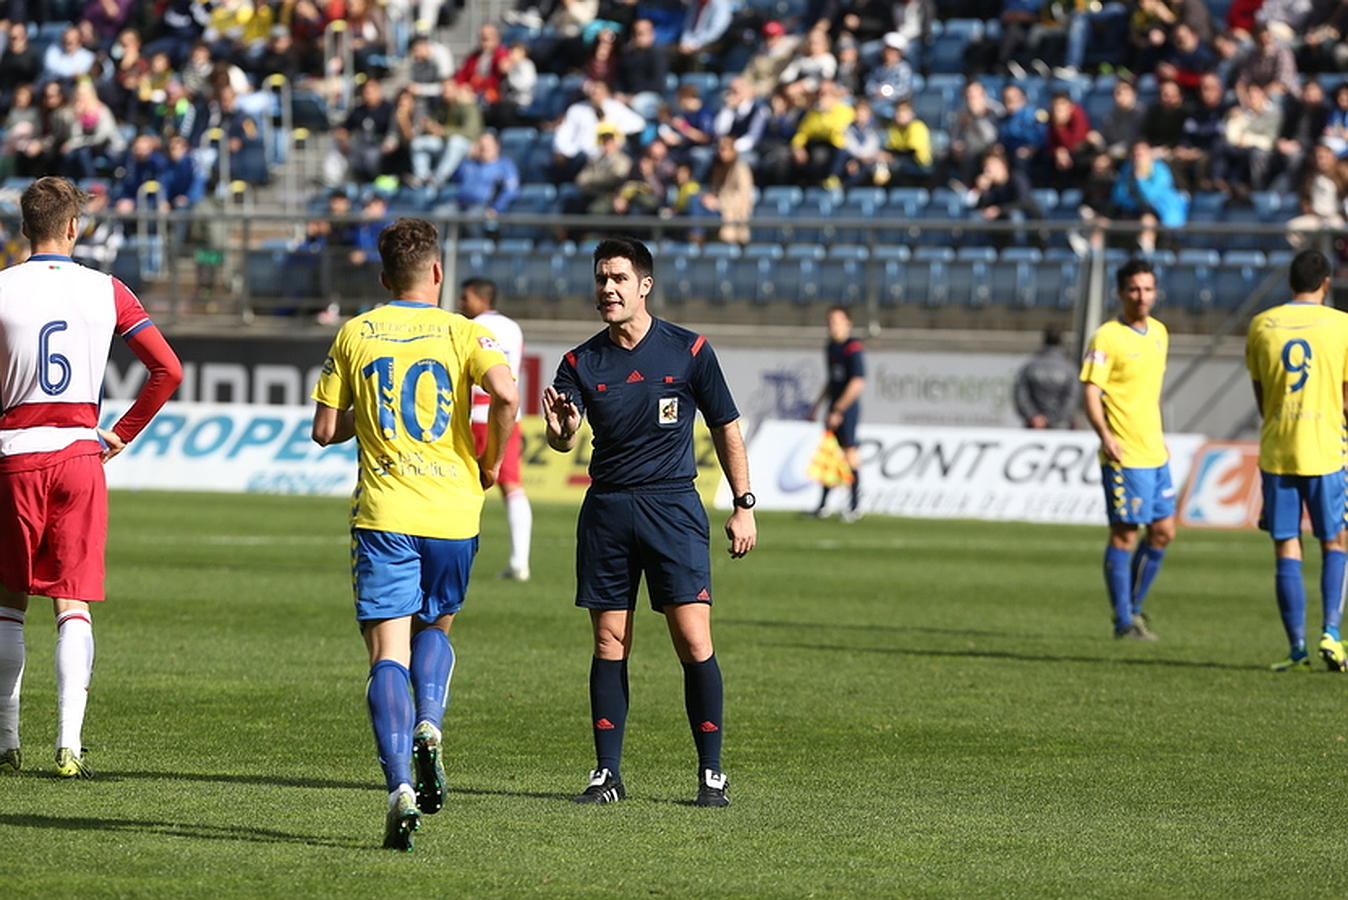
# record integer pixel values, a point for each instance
(908, 143)
(817, 146)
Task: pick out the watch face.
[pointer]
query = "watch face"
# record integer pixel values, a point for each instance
(745, 500)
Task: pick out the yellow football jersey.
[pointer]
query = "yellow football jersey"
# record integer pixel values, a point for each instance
(1298, 352)
(407, 369)
(1129, 367)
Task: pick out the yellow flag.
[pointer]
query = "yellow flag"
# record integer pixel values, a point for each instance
(829, 465)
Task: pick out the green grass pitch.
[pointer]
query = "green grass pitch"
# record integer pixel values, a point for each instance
(914, 708)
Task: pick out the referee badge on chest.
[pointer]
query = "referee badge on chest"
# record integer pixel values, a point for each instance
(668, 410)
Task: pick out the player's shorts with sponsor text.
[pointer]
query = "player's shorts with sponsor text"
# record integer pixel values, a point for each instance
(659, 530)
(1323, 497)
(510, 463)
(1137, 496)
(54, 528)
(398, 575)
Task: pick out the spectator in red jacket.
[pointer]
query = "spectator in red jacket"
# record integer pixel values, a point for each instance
(1067, 149)
(486, 66)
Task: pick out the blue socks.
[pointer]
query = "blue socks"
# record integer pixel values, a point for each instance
(1119, 581)
(390, 698)
(1292, 604)
(704, 698)
(608, 710)
(1331, 590)
(432, 666)
(1146, 563)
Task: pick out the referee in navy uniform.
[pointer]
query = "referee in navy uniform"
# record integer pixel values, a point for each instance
(641, 380)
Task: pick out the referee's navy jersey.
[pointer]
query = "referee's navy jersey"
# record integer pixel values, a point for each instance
(846, 360)
(641, 402)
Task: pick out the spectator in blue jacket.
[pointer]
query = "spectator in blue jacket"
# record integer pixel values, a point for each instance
(184, 181)
(1145, 190)
(1022, 130)
(144, 163)
(487, 180)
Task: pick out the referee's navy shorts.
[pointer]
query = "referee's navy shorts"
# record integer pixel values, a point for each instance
(847, 430)
(659, 530)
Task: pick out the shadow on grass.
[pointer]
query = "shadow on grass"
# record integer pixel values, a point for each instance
(869, 626)
(484, 792)
(176, 829)
(1027, 657)
(219, 778)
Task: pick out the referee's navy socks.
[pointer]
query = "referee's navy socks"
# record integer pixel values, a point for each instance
(432, 666)
(1292, 603)
(704, 697)
(1119, 581)
(390, 698)
(1331, 590)
(608, 710)
(1146, 563)
(856, 488)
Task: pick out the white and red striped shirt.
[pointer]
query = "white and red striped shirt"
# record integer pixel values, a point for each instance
(57, 319)
(511, 339)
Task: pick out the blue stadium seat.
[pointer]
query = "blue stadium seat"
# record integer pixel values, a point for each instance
(756, 275)
(503, 265)
(844, 274)
(889, 262)
(856, 207)
(708, 85)
(1012, 277)
(818, 204)
(1189, 283)
(928, 275)
(971, 276)
(945, 53)
(934, 106)
(1236, 278)
(516, 143)
(801, 272)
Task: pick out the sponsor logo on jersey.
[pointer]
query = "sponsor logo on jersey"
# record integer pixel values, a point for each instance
(488, 343)
(1097, 357)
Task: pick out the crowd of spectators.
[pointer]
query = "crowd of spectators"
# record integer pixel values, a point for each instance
(1231, 105)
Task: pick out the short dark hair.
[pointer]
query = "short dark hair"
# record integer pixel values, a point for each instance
(1308, 271)
(407, 248)
(482, 287)
(1134, 266)
(48, 205)
(629, 249)
(839, 308)
(1052, 336)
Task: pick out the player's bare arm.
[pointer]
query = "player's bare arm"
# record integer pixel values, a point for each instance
(562, 418)
(740, 528)
(333, 426)
(1093, 403)
(505, 403)
(851, 393)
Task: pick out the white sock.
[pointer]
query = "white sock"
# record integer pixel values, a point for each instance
(74, 665)
(11, 674)
(520, 518)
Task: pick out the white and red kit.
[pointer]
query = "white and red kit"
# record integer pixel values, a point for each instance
(511, 339)
(57, 319)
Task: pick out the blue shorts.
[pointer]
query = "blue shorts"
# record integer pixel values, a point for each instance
(623, 534)
(847, 429)
(1137, 496)
(398, 575)
(1284, 496)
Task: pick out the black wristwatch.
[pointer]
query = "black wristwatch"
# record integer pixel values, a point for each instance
(745, 501)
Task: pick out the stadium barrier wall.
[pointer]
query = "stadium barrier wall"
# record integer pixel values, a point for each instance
(951, 473)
